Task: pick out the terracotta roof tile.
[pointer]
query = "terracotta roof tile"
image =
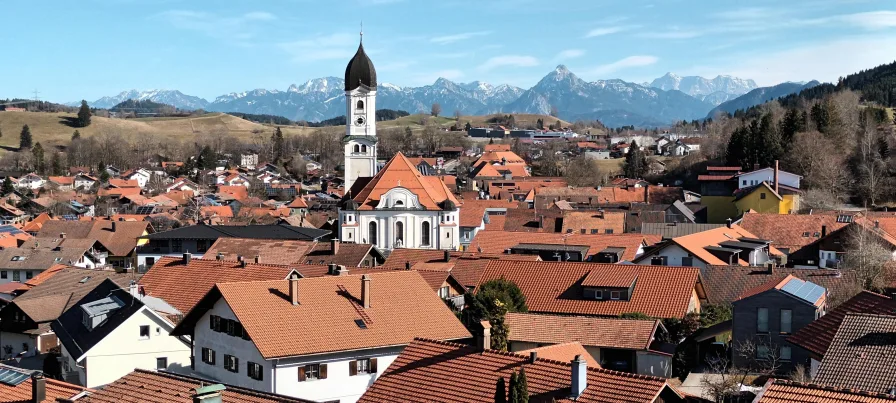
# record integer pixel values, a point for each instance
(724, 284)
(714, 177)
(816, 337)
(556, 287)
(21, 393)
(576, 221)
(182, 286)
(119, 242)
(330, 305)
(861, 354)
(496, 147)
(124, 183)
(630, 334)
(695, 243)
(782, 391)
(350, 255)
(269, 251)
(430, 190)
(493, 157)
(434, 371)
(142, 386)
(473, 211)
(564, 352)
(622, 277)
(57, 293)
(791, 231)
(499, 241)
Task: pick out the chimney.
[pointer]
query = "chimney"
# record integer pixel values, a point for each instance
(407, 265)
(113, 226)
(579, 376)
(209, 394)
(532, 357)
(38, 387)
(187, 257)
(331, 269)
(776, 176)
(133, 289)
(770, 266)
(365, 291)
(294, 288)
(484, 342)
(334, 246)
(341, 270)
(219, 256)
(62, 235)
(446, 256)
(876, 223)
(257, 259)
(728, 223)
(824, 231)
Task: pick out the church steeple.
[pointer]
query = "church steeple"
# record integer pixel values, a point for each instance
(360, 111)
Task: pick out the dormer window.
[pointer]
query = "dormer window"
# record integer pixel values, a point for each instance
(398, 203)
(614, 294)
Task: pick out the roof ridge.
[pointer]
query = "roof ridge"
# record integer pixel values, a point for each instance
(869, 315)
(818, 386)
(230, 387)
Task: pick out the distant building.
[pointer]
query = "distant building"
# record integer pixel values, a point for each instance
(249, 161)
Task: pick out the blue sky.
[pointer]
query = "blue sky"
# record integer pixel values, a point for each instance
(69, 50)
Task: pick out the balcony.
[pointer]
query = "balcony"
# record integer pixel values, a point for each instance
(97, 255)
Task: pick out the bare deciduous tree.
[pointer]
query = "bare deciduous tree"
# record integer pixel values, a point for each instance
(722, 380)
(436, 110)
(868, 257)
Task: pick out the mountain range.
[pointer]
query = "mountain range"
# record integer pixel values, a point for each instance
(614, 102)
(760, 96)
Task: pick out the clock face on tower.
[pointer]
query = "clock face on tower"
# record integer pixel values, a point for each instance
(359, 121)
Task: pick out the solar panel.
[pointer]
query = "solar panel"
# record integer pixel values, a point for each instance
(12, 377)
(145, 210)
(9, 229)
(809, 292)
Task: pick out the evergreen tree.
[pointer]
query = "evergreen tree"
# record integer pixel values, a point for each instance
(883, 147)
(277, 145)
(7, 186)
(25, 140)
(522, 389)
(738, 148)
(513, 391)
(468, 126)
(821, 117)
(56, 164)
(206, 158)
(791, 124)
(104, 176)
(38, 153)
(500, 391)
(76, 135)
(768, 147)
(636, 165)
(84, 115)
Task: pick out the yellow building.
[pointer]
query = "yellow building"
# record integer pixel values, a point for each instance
(763, 198)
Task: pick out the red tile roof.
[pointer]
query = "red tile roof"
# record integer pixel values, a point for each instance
(142, 386)
(430, 190)
(564, 352)
(816, 337)
(576, 221)
(499, 241)
(629, 334)
(714, 177)
(556, 287)
(473, 211)
(434, 371)
(724, 284)
(783, 391)
(21, 393)
(496, 147)
(118, 237)
(791, 231)
(695, 243)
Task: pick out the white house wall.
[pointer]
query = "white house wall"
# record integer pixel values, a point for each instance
(17, 341)
(244, 350)
(673, 254)
(441, 236)
(768, 175)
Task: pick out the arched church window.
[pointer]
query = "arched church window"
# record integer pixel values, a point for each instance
(371, 232)
(424, 233)
(398, 203)
(360, 104)
(357, 148)
(399, 232)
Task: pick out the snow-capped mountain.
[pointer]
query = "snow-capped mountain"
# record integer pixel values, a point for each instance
(709, 90)
(614, 102)
(169, 97)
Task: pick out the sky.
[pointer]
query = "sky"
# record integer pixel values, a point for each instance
(72, 50)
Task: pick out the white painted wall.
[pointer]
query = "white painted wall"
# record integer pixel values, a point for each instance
(768, 175)
(361, 163)
(654, 364)
(16, 341)
(673, 254)
(443, 235)
(122, 350)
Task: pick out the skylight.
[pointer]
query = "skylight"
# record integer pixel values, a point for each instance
(360, 323)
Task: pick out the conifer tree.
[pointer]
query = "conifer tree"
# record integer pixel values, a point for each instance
(76, 135)
(738, 148)
(500, 391)
(38, 153)
(513, 391)
(636, 164)
(522, 389)
(84, 115)
(277, 145)
(7, 186)
(768, 142)
(25, 140)
(56, 164)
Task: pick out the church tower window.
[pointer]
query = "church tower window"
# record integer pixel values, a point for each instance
(399, 233)
(371, 233)
(424, 233)
(360, 104)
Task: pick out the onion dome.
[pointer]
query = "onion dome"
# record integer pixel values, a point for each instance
(360, 71)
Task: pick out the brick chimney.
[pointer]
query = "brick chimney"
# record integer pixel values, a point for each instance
(579, 377)
(219, 256)
(257, 259)
(776, 176)
(187, 257)
(294, 288)
(38, 387)
(484, 341)
(446, 257)
(532, 357)
(113, 226)
(407, 265)
(334, 246)
(365, 291)
(824, 231)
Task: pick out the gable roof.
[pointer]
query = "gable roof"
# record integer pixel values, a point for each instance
(696, 243)
(44, 253)
(497, 242)
(473, 212)
(142, 386)
(674, 230)
(783, 391)
(274, 231)
(791, 231)
(436, 371)
(269, 251)
(22, 392)
(575, 221)
(563, 352)
(816, 337)
(400, 172)
(724, 284)
(805, 291)
(331, 306)
(861, 354)
(118, 237)
(183, 285)
(630, 334)
(556, 287)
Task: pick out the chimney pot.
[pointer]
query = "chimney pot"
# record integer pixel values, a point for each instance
(532, 357)
(294, 288)
(257, 259)
(38, 387)
(331, 268)
(187, 257)
(485, 339)
(407, 265)
(62, 235)
(334, 246)
(824, 231)
(365, 291)
(219, 256)
(728, 221)
(579, 376)
(876, 223)
(446, 256)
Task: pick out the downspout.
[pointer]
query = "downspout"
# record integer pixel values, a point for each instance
(274, 375)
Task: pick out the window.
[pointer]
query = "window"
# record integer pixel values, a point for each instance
(177, 245)
(762, 320)
(201, 245)
(254, 371)
(161, 363)
(594, 231)
(213, 322)
(144, 332)
(762, 195)
(608, 231)
(658, 261)
(687, 261)
(363, 148)
(745, 182)
(615, 294)
(582, 231)
(362, 366)
(424, 233)
(150, 261)
(208, 356)
(786, 320)
(360, 104)
(312, 371)
(29, 275)
(371, 233)
(231, 363)
(16, 275)
(399, 231)
(806, 234)
(357, 148)
(762, 352)
(3, 274)
(598, 294)
(443, 292)
(785, 353)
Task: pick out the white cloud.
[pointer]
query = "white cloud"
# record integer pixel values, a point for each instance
(322, 47)
(446, 39)
(672, 34)
(239, 28)
(872, 19)
(628, 62)
(508, 61)
(260, 16)
(605, 31)
(569, 54)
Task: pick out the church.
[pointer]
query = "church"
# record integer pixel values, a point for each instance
(396, 207)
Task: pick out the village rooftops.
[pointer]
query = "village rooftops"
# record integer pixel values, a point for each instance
(816, 337)
(629, 334)
(333, 305)
(725, 284)
(275, 231)
(17, 386)
(399, 172)
(783, 391)
(804, 291)
(118, 237)
(726, 239)
(861, 354)
(497, 242)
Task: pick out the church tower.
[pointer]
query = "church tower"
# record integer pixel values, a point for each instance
(360, 113)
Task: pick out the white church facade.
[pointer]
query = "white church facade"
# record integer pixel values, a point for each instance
(396, 207)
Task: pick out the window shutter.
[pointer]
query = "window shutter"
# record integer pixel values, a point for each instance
(323, 371)
(353, 368)
(213, 357)
(373, 365)
(301, 374)
(236, 365)
(211, 322)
